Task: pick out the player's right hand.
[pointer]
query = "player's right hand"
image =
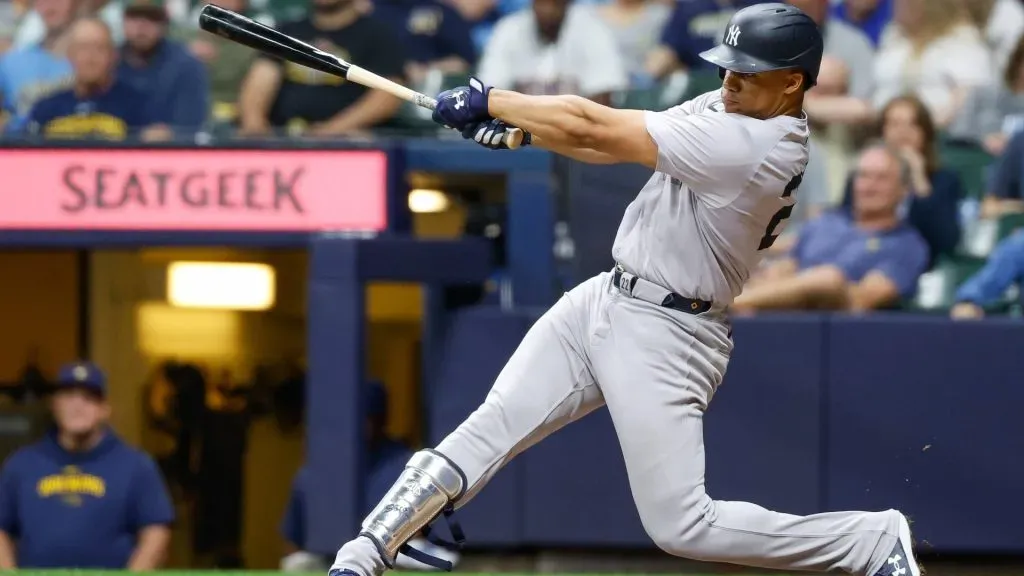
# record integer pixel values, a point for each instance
(491, 134)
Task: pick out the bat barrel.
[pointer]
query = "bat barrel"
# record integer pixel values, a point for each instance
(248, 32)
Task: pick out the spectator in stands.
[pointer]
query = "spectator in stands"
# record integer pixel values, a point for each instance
(98, 104)
(81, 497)
(935, 51)
(10, 14)
(226, 62)
(863, 259)
(484, 14)
(933, 205)
(840, 100)
(554, 48)
(32, 29)
(281, 94)
(871, 16)
(481, 15)
(693, 27)
(843, 93)
(30, 73)
(1004, 268)
(1001, 23)
(386, 457)
(436, 36)
(254, 9)
(993, 113)
(172, 81)
(1006, 190)
(637, 25)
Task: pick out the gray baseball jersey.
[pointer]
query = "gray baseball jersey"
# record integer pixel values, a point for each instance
(722, 192)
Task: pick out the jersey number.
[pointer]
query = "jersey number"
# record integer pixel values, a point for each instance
(778, 222)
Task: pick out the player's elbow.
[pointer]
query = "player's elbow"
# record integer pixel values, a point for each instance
(620, 134)
(581, 130)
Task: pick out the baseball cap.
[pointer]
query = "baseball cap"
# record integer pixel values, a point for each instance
(154, 9)
(84, 375)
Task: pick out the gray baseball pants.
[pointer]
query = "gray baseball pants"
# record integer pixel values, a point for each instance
(656, 369)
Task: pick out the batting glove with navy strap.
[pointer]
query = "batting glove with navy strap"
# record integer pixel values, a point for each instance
(463, 105)
(491, 134)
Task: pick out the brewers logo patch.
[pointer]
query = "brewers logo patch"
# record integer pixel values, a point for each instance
(71, 485)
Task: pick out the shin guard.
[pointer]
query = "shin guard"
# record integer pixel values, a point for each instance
(427, 488)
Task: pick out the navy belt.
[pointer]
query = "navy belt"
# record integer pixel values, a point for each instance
(657, 295)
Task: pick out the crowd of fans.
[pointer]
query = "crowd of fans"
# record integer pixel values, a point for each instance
(910, 82)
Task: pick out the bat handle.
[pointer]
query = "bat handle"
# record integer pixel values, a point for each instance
(514, 138)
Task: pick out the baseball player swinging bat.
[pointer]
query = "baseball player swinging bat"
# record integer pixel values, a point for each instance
(248, 32)
(650, 339)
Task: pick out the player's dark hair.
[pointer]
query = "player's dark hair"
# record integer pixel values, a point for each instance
(923, 119)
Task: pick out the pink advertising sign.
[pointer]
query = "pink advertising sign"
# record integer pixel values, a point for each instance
(224, 190)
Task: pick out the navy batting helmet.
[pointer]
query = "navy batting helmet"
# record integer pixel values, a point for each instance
(766, 37)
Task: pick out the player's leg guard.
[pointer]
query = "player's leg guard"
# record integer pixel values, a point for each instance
(427, 488)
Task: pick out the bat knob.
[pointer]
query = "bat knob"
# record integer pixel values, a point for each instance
(514, 138)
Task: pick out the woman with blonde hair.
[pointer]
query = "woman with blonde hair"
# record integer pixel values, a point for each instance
(932, 50)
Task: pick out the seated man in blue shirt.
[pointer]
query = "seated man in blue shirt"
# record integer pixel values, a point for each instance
(82, 498)
(1004, 268)
(99, 105)
(864, 259)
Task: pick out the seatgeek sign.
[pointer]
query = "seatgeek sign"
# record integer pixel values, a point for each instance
(219, 190)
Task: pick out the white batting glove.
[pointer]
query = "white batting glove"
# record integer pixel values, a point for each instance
(491, 134)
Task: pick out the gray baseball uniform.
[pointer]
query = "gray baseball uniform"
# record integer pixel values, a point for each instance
(721, 192)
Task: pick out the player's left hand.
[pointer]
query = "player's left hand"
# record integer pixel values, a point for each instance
(491, 134)
(461, 106)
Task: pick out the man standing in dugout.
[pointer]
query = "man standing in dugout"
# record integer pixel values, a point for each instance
(81, 497)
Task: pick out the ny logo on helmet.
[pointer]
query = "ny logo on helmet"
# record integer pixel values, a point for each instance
(732, 37)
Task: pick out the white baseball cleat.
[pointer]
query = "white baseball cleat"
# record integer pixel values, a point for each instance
(901, 561)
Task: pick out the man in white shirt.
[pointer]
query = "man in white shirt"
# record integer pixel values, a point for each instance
(554, 48)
